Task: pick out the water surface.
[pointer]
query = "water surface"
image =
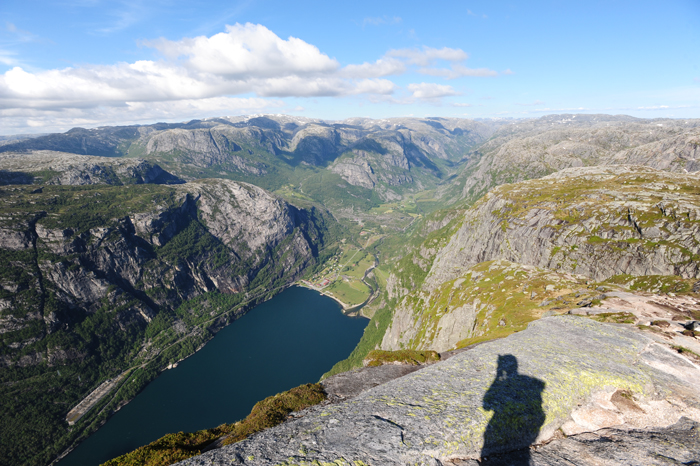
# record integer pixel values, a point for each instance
(287, 341)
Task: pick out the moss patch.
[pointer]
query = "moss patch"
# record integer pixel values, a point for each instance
(411, 357)
(274, 410)
(267, 413)
(615, 317)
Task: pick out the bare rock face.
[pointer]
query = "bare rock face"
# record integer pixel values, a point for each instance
(597, 222)
(496, 398)
(241, 213)
(173, 244)
(534, 148)
(490, 298)
(204, 147)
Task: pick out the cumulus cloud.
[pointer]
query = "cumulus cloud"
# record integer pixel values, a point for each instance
(226, 70)
(460, 104)
(247, 49)
(246, 59)
(431, 91)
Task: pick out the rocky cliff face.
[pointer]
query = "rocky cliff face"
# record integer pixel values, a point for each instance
(528, 243)
(99, 279)
(212, 235)
(598, 222)
(565, 373)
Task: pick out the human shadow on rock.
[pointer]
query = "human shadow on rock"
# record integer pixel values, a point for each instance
(516, 402)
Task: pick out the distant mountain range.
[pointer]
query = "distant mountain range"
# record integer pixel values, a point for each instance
(126, 247)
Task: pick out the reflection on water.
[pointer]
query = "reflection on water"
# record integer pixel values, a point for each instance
(290, 340)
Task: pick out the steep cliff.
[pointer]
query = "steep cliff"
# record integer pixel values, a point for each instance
(567, 373)
(521, 246)
(597, 222)
(102, 282)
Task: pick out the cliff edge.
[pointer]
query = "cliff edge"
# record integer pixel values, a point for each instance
(562, 376)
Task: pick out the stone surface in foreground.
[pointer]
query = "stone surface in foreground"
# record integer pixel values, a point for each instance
(498, 397)
(678, 444)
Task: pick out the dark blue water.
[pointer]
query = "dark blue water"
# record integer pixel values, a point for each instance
(287, 341)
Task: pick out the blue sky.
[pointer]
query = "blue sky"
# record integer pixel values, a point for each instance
(90, 62)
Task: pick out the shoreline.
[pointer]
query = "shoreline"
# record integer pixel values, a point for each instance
(246, 306)
(346, 309)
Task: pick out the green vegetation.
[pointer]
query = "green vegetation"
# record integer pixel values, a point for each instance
(654, 283)
(371, 338)
(411, 357)
(351, 293)
(267, 413)
(686, 352)
(341, 274)
(274, 410)
(170, 448)
(616, 317)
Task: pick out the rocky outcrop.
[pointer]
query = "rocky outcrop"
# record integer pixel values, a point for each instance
(598, 222)
(47, 167)
(561, 373)
(489, 300)
(674, 445)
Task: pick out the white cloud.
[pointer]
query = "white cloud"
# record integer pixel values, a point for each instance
(245, 50)
(428, 55)
(460, 104)
(317, 87)
(215, 74)
(431, 91)
(382, 67)
(458, 71)
(18, 120)
(7, 58)
(508, 72)
(246, 59)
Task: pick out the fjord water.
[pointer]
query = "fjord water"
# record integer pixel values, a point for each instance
(287, 341)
